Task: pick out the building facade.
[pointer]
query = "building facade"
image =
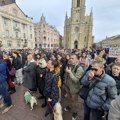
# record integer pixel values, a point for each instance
(78, 27)
(113, 41)
(16, 28)
(46, 36)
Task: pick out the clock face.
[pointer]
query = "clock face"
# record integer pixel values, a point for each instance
(76, 29)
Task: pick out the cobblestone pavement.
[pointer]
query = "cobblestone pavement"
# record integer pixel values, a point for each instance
(21, 111)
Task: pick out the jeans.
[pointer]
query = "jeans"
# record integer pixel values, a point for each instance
(95, 113)
(6, 97)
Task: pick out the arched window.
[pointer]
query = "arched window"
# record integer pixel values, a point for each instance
(78, 3)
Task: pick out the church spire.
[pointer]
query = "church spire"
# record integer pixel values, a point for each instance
(91, 13)
(42, 18)
(66, 17)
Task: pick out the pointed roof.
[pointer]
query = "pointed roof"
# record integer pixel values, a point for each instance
(42, 18)
(66, 17)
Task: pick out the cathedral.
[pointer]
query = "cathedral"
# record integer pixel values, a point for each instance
(78, 27)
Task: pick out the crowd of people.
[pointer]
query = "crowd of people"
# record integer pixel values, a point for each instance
(64, 73)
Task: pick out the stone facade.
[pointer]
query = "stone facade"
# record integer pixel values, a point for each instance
(113, 41)
(78, 27)
(46, 36)
(16, 28)
(6, 2)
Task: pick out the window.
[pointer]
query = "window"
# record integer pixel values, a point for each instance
(23, 26)
(44, 45)
(40, 45)
(78, 3)
(9, 43)
(5, 21)
(31, 36)
(48, 45)
(24, 35)
(18, 44)
(44, 38)
(16, 34)
(7, 33)
(30, 28)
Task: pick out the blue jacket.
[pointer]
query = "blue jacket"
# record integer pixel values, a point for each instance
(102, 94)
(3, 75)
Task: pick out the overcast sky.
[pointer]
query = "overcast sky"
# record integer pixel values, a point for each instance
(106, 14)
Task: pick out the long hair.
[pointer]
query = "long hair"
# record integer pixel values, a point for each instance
(56, 65)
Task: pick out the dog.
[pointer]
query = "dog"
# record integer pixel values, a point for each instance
(30, 99)
(57, 111)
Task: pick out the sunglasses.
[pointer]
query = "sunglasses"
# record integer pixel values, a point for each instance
(94, 69)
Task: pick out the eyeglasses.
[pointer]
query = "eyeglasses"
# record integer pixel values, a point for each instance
(94, 69)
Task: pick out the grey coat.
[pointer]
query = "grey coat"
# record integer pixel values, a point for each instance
(102, 94)
(29, 75)
(114, 112)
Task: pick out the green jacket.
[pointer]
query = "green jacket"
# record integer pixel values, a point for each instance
(72, 80)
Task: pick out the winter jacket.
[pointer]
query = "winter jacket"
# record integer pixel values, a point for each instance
(51, 87)
(114, 112)
(17, 63)
(102, 94)
(117, 79)
(72, 80)
(3, 75)
(29, 75)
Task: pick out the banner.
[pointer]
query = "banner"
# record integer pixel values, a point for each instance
(114, 52)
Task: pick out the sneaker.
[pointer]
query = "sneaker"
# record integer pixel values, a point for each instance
(7, 109)
(67, 108)
(2, 105)
(74, 116)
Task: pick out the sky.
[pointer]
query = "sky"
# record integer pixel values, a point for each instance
(106, 14)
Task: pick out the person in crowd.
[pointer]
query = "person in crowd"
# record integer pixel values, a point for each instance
(51, 90)
(115, 73)
(84, 61)
(110, 62)
(17, 63)
(101, 94)
(40, 74)
(10, 77)
(29, 74)
(71, 84)
(7, 102)
(114, 112)
(62, 64)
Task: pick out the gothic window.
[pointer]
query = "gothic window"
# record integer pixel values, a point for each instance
(78, 3)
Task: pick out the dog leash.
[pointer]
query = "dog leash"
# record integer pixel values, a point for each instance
(50, 106)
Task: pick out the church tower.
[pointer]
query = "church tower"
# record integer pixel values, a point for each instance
(77, 31)
(6, 2)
